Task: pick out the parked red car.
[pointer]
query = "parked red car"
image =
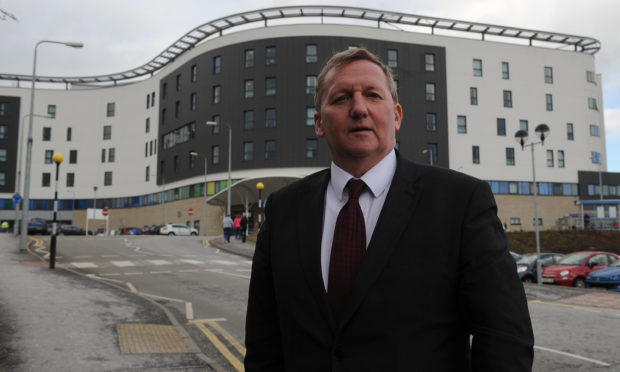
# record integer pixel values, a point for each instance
(573, 269)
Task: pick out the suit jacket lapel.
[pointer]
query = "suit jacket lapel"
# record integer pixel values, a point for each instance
(310, 228)
(399, 205)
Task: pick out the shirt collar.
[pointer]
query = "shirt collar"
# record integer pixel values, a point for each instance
(377, 178)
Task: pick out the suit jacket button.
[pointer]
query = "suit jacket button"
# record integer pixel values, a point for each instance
(338, 353)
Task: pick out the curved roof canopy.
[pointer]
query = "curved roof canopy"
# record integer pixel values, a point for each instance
(334, 14)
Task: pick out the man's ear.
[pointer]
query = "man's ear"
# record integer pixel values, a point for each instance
(318, 125)
(398, 116)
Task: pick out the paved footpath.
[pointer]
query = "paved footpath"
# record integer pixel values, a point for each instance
(54, 320)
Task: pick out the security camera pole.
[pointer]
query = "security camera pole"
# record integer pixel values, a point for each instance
(57, 158)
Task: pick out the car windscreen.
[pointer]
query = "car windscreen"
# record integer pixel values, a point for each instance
(527, 259)
(574, 259)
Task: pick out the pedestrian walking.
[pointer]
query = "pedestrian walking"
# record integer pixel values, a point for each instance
(227, 226)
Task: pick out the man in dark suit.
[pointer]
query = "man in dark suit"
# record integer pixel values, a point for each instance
(434, 288)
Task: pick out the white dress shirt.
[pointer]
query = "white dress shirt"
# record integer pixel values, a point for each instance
(378, 180)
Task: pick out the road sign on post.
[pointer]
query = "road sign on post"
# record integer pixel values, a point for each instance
(190, 212)
(105, 212)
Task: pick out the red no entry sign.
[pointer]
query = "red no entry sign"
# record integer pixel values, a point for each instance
(105, 212)
(190, 212)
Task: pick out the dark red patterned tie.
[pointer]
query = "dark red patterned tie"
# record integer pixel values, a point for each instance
(348, 250)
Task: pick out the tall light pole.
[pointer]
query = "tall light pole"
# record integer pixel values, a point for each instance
(228, 195)
(19, 168)
(26, 205)
(430, 155)
(57, 158)
(204, 202)
(521, 137)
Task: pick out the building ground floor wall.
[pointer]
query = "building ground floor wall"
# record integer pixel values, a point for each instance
(517, 211)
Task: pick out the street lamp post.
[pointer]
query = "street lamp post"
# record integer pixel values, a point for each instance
(521, 137)
(94, 211)
(204, 202)
(26, 205)
(228, 195)
(430, 155)
(57, 158)
(259, 186)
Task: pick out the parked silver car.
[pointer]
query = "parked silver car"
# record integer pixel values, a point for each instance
(177, 229)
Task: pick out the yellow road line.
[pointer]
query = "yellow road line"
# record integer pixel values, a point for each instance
(577, 306)
(221, 347)
(228, 337)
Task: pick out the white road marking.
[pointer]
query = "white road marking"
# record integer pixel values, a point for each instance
(110, 255)
(189, 311)
(193, 262)
(110, 274)
(84, 265)
(82, 257)
(244, 270)
(162, 298)
(131, 287)
(573, 356)
(135, 273)
(189, 271)
(208, 320)
(220, 271)
(159, 262)
(122, 263)
(161, 272)
(223, 262)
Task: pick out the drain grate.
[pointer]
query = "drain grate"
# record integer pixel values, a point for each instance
(150, 339)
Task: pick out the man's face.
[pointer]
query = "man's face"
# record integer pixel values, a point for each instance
(358, 117)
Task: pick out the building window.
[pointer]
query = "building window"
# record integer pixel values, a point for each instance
(310, 116)
(69, 134)
(107, 179)
(4, 109)
(215, 129)
(510, 156)
(561, 159)
(217, 92)
(515, 221)
(310, 84)
(215, 154)
(270, 118)
(111, 155)
(51, 111)
(429, 62)
(103, 155)
(431, 121)
(147, 125)
(2, 155)
(47, 134)
(4, 130)
(591, 77)
(501, 127)
(163, 116)
(107, 132)
(48, 156)
(477, 63)
(433, 155)
(175, 164)
(73, 156)
(312, 148)
(148, 100)
(178, 82)
(523, 125)
(548, 75)
(596, 157)
(217, 65)
(392, 58)
(570, 134)
(311, 53)
(505, 70)
(270, 150)
(146, 149)
(270, 86)
(594, 130)
(248, 58)
(270, 55)
(549, 102)
(507, 98)
(70, 179)
(150, 148)
(177, 109)
(111, 107)
(2, 179)
(45, 179)
(550, 158)
(164, 90)
(192, 101)
(473, 96)
(430, 92)
(249, 88)
(592, 104)
(461, 124)
(248, 151)
(475, 154)
(248, 119)
(153, 99)
(193, 73)
(147, 175)
(191, 160)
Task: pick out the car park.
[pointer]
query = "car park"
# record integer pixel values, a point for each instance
(608, 278)
(573, 269)
(527, 265)
(177, 229)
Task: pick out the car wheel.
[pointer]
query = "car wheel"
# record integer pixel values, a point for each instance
(579, 283)
(528, 279)
(194, 234)
(171, 234)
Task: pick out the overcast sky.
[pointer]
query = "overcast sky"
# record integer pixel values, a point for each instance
(121, 35)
